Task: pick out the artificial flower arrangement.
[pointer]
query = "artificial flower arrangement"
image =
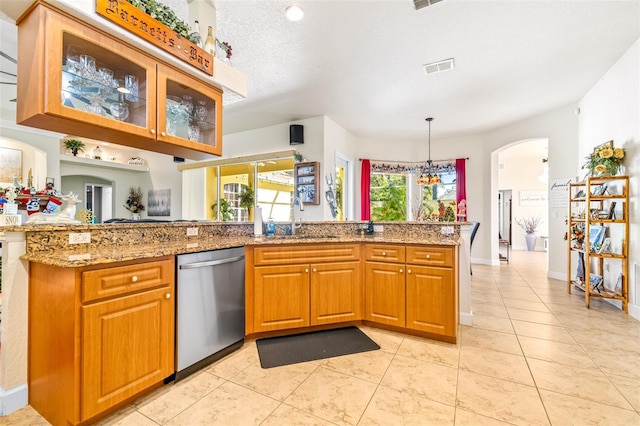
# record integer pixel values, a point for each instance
(529, 225)
(605, 160)
(134, 202)
(577, 234)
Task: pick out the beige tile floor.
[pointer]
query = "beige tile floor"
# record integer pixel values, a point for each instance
(534, 356)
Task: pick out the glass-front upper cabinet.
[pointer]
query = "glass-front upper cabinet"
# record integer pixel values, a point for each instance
(93, 85)
(189, 112)
(79, 80)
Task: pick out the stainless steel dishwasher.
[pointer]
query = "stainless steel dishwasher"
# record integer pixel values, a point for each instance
(209, 307)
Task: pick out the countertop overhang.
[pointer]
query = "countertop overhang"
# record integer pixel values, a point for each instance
(49, 244)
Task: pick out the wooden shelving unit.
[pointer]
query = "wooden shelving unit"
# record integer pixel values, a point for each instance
(600, 207)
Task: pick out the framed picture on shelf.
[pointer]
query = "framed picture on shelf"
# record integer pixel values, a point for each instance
(596, 237)
(611, 214)
(618, 288)
(595, 282)
(606, 246)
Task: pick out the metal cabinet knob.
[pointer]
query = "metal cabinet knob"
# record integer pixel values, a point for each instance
(315, 270)
(134, 278)
(408, 271)
(401, 270)
(428, 256)
(167, 296)
(153, 131)
(384, 253)
(306, 269)
(163, 133)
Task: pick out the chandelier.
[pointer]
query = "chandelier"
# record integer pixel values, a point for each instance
(429, 175)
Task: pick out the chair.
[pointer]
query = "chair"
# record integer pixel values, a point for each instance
(474, 229)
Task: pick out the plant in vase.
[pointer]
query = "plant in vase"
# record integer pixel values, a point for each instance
(74, 145)
(529, 226)
(134, 202)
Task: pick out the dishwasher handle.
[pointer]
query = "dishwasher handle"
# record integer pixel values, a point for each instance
(196, 265)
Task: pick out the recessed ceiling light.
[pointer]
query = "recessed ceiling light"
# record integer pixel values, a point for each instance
(294, 13)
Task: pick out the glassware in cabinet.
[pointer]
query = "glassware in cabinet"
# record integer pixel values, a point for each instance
(189, 112)
(77, 80)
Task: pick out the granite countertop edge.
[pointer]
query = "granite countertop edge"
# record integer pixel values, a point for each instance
(93, 255)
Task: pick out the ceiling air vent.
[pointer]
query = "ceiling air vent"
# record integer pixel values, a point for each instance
(447, 64)
(419, 4)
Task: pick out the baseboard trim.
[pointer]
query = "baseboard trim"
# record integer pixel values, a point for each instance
(562, 276)
(13, 399)
(634, 311)
(466, 318)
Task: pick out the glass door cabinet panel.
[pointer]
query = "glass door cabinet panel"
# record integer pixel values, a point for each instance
(75, 79)
(189, 112)
(79, 81)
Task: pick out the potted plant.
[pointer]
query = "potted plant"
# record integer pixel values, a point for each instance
(247, 198)
(226, 211)
(74, 145)
(529, 226)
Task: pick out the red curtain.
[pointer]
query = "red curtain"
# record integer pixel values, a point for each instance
(365, 187)
(461, 189)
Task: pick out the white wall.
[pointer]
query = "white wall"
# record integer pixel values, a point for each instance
(163, 172)
(611, 110)
(276, 138)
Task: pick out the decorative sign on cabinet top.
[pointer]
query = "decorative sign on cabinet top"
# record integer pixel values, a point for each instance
(139, 23)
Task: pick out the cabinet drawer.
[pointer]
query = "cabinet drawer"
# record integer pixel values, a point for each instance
(430, 255)
(119, 280)
(301, 253)
(384, 253)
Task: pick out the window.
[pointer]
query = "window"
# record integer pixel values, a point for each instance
(395, 194)
(388, 196)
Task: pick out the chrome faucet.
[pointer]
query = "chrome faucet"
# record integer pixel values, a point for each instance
(295, 225)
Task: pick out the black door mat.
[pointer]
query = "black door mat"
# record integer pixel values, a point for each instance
(278, 351)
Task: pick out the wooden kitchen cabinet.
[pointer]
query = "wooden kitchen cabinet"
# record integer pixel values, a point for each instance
(57, 92)
(281, 298)
(385, 284)
(98, 336)
(385, 293)
(403, 292)
(300, 285)
(430, 298)
(336, 292)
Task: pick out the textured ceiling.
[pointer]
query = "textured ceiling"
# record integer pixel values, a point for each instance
(360, 62)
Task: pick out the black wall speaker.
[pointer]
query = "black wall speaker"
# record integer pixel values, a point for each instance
(296, 136)
(178, 160)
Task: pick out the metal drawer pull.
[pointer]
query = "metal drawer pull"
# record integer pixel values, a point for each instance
(408, 271)
(134, 278)
(168, 295)
(384, 253)
(428, 256)
(306, 269)
(400, 269)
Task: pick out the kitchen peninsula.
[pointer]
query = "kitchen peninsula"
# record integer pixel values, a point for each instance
(124, 248)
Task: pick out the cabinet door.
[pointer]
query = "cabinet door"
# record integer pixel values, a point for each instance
(189, 112)
(336, 292)
(75, 81)
(281, 297)
(431, 300)
(385, 293)
(127, 346)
